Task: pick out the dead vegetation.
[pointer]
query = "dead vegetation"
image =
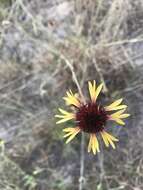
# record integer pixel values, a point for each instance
(102, 40)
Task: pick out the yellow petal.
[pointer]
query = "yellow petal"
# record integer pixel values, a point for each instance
(111, 143)
(59, 116)
(119, 107)
(98, 90)
(118, 113)
(90, 143)
(105, 139)
(118, 116)
(63, 120)
(124, 116)
(92, 90)
(69, 129)
(111, 139)
(65, 117)
(71, 99)
(118, 120)
(94, 144)
(108, 139)
(68, 134)
(73, 134)
(63, 111)
(114, 104)
(115, 108)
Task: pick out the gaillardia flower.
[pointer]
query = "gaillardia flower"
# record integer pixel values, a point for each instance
(91, 117)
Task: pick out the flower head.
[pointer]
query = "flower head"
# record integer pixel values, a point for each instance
(91, 117)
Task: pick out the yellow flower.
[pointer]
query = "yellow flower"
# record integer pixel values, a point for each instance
(91, 117)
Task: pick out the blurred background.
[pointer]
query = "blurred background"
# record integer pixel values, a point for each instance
(101, 40)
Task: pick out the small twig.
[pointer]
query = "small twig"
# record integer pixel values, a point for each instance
(121, 42)
(74, 77)
(105, 89)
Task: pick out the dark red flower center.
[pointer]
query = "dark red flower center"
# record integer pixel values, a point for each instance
(91, 118)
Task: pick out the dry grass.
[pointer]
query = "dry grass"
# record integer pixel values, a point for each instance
(102, 40)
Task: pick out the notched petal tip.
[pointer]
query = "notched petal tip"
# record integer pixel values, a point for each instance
(108, 139)
(72, 99)
(116, 105)
(118, 116)
(62, 111)
(71, 133)
(93, 91)
(98, 90)
(93, 144)
(60, 121)
(123, 116)
(120, 121)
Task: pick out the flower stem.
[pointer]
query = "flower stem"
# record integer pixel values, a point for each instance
(81, 179)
